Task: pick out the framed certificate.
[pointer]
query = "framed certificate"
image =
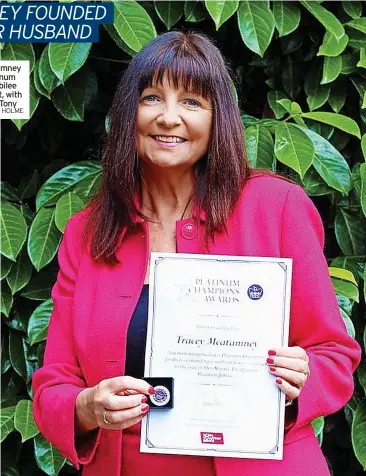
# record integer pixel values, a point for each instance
(212, 320)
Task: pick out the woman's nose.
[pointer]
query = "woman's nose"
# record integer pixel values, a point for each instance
(169, 115)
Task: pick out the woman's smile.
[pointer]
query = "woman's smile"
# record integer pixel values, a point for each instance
(168, 141)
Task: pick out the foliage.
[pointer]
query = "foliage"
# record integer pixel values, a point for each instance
(301, 83)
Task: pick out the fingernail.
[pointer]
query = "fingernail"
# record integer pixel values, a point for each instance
(271, 352)
(151, 390)
(270, 361)
(279, 381)
(272, 369)
(143, 399)
(145, 408)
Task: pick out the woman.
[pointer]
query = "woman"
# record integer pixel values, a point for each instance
(176, 180)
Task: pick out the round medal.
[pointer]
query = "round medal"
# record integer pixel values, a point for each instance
(161, 396)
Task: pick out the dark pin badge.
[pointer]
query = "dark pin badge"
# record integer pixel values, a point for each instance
(163, 397)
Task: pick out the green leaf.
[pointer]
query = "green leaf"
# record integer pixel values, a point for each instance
(350, 230)
(47, 77)
(9, 471)
(44, 238)
(357, 39)
(89, 186)
(169, 12)
(361, 374)
(353, 9)
(19, 316)
(12, 386)
(193, 11)
(69, 99)
(290, 78)
(318, 427)
(273, 97)
(28, 185)
(358, 433)
(362, 62)
(317, 94)
(296, 112)
(360, 85)
(9, 193)
(34, 98)
(118, 40)
(363, 187)
(287, 17)
(66, 207)
(39, 288)
(352, 263)
(20, 273)
(220, 10)
(363, 146)
(358, 24)
(332, 67)
(341, 273)
(24, 421)
(337, 96)
(344, 123)
(293, 148)
(17, 351)
(13, 231)
(37, 82)
(27, 214)
(64, 180)
(326, 18)
(38, 322)
(331, 46)
(314, 184)
(5, 359)
(133, 24)
(286, 104)
(7, 421)
(349, 64)
(67, 58)
(6, 300)
(256, 25)
(329, 163)
(345, 288)
(349, 324)
(48, 458)
(5, 267)
(19, 52)
(259, 144)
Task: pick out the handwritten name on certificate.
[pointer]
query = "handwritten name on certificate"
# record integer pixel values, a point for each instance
(212, 320)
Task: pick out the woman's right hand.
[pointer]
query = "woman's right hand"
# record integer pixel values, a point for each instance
(115, 404)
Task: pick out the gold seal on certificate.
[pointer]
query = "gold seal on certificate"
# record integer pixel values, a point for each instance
(211, 322)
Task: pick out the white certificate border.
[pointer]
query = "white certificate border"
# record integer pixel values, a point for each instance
(158, 258)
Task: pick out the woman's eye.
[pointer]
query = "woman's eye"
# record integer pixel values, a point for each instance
(192, 102)
(150, 98)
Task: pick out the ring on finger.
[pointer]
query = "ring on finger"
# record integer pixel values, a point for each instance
(107, 422)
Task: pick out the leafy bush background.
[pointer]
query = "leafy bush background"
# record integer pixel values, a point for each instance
(300, 81)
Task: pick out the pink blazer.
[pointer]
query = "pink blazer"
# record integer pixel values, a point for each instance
(93, 305)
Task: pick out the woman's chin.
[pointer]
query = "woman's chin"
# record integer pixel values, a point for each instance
(168, 163)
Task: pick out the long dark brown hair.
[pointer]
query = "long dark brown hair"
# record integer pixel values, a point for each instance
(193, 61)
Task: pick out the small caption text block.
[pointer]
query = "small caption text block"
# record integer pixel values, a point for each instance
(14, 89)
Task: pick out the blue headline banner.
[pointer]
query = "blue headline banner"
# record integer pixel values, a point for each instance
(53, 22)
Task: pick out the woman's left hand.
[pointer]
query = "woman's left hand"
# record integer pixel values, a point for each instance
(290, 365)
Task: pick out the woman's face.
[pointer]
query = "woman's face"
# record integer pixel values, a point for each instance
(173, 126)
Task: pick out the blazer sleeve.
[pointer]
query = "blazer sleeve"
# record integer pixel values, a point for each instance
(57, 384)
(315, 320)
